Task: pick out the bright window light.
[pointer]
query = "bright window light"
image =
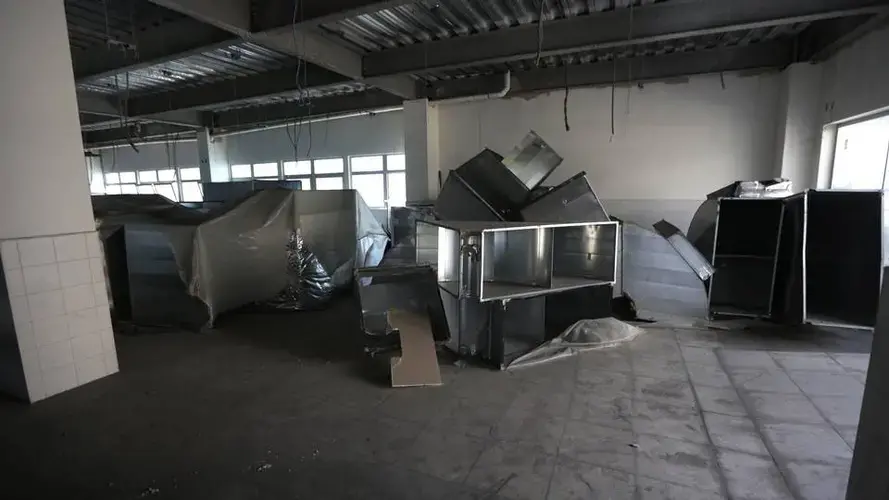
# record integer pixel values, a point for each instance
(191, 191)
(128, 189)
(328, 183)
(128, 177)
(166, 175)
(395, 162)
(112, 178)
(190, 174)
(302, 167)
(329, 166)
(146, 189)
(148, 176)
(241, 172)
(367, 163)
(397, 189)
(371, 188)
(265, 170)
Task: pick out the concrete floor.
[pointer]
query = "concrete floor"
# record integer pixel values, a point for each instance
(284, 406)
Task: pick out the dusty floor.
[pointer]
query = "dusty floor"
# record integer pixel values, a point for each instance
(283, 407)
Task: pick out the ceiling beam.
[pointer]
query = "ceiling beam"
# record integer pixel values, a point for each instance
(821, 41)
(188, 119)
(135, 133)
(247, 118)
(279, 13)
(640, 69)
(619, 27)
(232, 92)
(297, 41)
(157, 45)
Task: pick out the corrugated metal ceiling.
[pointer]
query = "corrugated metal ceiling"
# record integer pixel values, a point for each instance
(426, 20)
(93, 23)
(312, 93)
(220, 63)
(687, 44)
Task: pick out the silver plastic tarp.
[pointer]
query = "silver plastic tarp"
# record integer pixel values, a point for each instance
(585, 335)
(241, 257)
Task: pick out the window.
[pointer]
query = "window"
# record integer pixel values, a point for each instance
(148, 176)
(379, 179)
(241, 172)
(145, 189)
(265, 171)
(297, 168)
(128, 189)
(190, 174)
(112, 178)
(191, 191)
(329, 166)
(860, 158)
(328, 183)
(128, 177)
(166, 175)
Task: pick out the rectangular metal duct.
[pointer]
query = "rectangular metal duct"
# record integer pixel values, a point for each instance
(571, 201)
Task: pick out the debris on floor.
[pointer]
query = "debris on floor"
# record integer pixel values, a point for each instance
(585, 335)
(418, 364)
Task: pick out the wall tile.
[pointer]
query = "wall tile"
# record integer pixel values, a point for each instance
(103, 318)
(36, 251)
(111, 362)
(46, 304)
(15, 282)
(90, 369)
(93, 246)
(101, 294)
(59, 379)
(41, 278)
(25, 335)
(97, 271)
(79, 297)
(9, 252)
(86, 347)
(55, 355)
(75, 272)
(70, 247)
(51, 330)
(107, 341)
(20, 311)
(82, 322)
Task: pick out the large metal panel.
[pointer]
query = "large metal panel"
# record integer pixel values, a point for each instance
(458, 201)
(517, 259)
(532, 160)
(408, 288)
(843, 256)
(787, 300)
(698, 263)
(745, 256)
(656, 277)
(571, 201)
(487, 176)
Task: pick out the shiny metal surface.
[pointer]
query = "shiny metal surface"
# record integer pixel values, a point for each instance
(532, 160)
(521, 257)
(520, 260)
(571, 201)
(439, 247)
(457, 200)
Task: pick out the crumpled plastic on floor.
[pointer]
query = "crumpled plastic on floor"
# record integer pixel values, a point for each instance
(584, 335)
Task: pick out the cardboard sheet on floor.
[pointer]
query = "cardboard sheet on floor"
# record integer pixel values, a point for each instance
(418, 364)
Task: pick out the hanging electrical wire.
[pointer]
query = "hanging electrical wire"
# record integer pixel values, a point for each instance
(630, 58)
(565, 102)
(613, 84)
(539, 33)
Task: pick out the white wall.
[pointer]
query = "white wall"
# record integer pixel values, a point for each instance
(44, 182)
(856, 80)
(673, 142)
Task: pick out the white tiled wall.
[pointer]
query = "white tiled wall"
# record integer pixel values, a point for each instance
(60, 309)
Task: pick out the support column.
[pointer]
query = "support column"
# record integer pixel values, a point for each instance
(213, 158)
(421, 150)
(56, 328)
(799, 125)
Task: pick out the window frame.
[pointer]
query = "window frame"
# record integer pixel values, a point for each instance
(313, 176)
(385, 171)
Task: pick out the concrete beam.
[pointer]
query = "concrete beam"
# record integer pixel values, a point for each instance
(171, 41)
(134, 134)
(820, 41)
(189, 119)
(232, 92)
(668, 66)
(232, 16)
(619, 27)
(287, 112)
(96, 104)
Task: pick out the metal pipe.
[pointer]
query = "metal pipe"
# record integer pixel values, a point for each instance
(292, 122)
(507, 86)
